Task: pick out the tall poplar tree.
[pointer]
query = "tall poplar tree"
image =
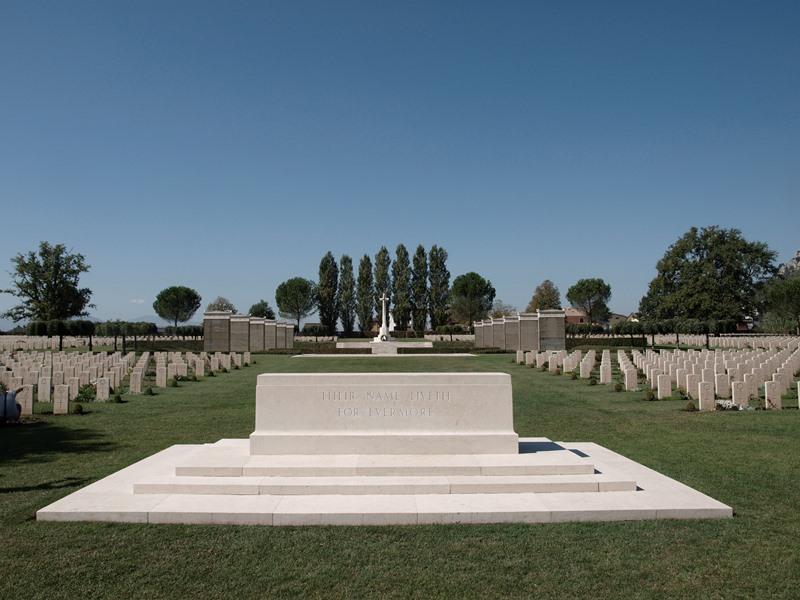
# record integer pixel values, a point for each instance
(326, 293)
(382, 281)
(401, 288)
(439, 289)
(365, 291)
(419, 290)
(346, 297)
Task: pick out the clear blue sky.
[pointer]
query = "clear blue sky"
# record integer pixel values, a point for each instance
(228, 145)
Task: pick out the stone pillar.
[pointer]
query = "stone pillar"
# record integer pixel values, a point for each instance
(270, 335)
(552, 329)
(511, 329)
(529, 332)
(217, 331)
(705, 393)
(664, 386)
(240, 333)
(499, 333)
(256, 334)
(477, 327)
(60, 399)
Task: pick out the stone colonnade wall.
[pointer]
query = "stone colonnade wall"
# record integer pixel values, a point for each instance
(226, 332)
(539, 331)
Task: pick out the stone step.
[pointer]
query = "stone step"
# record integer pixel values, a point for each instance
(379, 485)
(225, 464)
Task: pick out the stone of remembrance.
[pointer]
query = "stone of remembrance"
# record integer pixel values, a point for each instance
(383, 448)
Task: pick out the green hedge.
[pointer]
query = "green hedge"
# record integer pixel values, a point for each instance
(582, 342)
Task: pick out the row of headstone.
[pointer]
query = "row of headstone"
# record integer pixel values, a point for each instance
(45, 372)
(543, 330)
(735, 341)
(708, 375)
(226, 332)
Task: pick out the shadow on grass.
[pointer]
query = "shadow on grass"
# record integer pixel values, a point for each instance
(67, 482)
(42, 441)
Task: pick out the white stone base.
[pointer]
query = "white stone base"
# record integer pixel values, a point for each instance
(377, 346)
(222, 484)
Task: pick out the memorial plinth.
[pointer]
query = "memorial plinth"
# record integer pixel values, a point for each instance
(384, 413)
(379, 449)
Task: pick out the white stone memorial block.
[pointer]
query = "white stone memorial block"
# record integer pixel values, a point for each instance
(664, 386)
(586, 369)
(43, 389)
(102, 389)
(74, 387)
(384, 413)
(60, 399)
(705, 395)
(199, 368)
(520, 357)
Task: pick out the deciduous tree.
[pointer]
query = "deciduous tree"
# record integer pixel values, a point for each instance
(47, 283)
(220, 303)
(296, 298)
(591, 296)
(471, 298)
(709, 274)
(177, 304)
(545, 297)
(262, 309)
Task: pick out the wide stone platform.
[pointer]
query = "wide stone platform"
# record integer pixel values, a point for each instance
(378, 347)
(383, 448)
(222, 483)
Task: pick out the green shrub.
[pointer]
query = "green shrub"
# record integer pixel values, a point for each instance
(543, 368)
(172, 382)
(116, 399)
(649, 396)
(86, 393)
(574, 376)
(149, 391)
(690, 407)
(592, 380)
(211, 374)
(618, 387)
(77, 408)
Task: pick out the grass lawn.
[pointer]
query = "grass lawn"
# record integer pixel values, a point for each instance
(750, 461)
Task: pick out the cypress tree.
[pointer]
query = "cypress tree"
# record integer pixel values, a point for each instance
(401, 288)
(364, 294)
(419, 290)
(382, 283)
(346, 298)
(439, 290)
(326, 293)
